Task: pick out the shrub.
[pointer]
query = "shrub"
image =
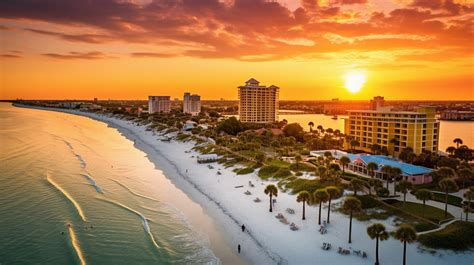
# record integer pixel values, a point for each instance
(456, 236)
(244, 171)
(282, 173)
(267, 171)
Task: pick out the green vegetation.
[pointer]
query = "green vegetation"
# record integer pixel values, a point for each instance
(244, 171)
(266, 172)
(453, 200)
(456, 236)
(431, 213)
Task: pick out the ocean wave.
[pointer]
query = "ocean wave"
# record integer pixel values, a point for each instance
(68, 196)
(78, 156)
(93, 182)
(145, 220)
(133, 192)
(76, 246)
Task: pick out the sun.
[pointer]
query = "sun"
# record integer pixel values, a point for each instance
(354, 81)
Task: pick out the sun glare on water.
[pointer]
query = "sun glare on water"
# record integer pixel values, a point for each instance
(354, 81)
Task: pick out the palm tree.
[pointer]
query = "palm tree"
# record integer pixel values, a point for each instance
(304, 197)
(329, 130)
(298, 159)
(451, 150)
(322, 171)
(311, 125)
(356, 185)
(353, 144)
(352, 205)
(378, 232)
(387, 171)
(394, 141)
(465, 174)
(333, 193)
(372, 167)
(424, 195)
(375, 183)
(320, 196)
(447, 185)
(344, 162)
(320, 128)
(396, 173)
(406, 234)
(271, 190)
(469, 196)
(457, 141)
(404, 186)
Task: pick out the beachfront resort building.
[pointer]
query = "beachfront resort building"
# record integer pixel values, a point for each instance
(159, 104)
(414, 174)
(393, 130)
(191, 103)
(258, 104)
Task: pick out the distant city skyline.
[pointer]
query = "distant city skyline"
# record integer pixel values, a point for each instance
(347, 49)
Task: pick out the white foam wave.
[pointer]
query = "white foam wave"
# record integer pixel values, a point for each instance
(76, 246)
(134, 192)
(68, 196)
(93, 182)
(146, 226)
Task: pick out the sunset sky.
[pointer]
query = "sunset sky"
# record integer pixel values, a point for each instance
(129, 49)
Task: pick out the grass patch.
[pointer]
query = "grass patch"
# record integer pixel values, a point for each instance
(453, 200)
(244, 171)
(431, 213)
(266, 172)
(302, 167)
(282, 173)
(279, 163)
(456, 236)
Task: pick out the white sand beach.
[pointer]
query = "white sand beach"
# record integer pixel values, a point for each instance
(267, 240)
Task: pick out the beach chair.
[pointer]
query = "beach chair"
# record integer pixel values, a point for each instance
(247, 193)
(257, 199)
(364, 255)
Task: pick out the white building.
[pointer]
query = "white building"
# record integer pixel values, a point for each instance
(258, 104)
(159, 104)
(191, 103)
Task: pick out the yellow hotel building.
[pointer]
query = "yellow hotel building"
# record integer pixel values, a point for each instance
(416, 129)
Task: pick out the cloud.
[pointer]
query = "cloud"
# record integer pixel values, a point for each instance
(77, 55)
(152, 55)
(243, 29)
(8, 55)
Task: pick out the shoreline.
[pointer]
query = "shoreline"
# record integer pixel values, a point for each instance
(172, 171)
(265, 235)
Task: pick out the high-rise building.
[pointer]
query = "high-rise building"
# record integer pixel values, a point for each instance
(191, 103)
(258, 104)
(393, 130)
(159, 104)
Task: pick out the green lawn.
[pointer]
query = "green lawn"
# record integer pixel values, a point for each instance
(453, 200)
(431, 213)
(456, 236)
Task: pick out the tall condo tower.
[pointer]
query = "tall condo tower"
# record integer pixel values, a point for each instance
(258, 104)
(191, 103)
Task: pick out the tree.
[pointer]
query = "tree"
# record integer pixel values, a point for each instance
(322, 172)
(424, 195)
(320, 128)
(375, 148)
(356, 185)
(353, 144)
(450, 150)
(377, 231)
(457, 141)
(271, 190)
(344, 162)
(320, 196)
(333, 193)
(468, 196)
(404, 186)
(394, 141)
(396, 173)
(295, 130)
(374, 183)
(311, 125)
(447, 185)
(230, 126)
(352, 205)
(303, 197)
(406, 234)
(465, 174)
(387, 172)
(382, 192)
(372, 167)
(260, 157)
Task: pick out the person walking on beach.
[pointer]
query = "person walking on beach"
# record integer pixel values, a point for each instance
(243, 228)
(238, 248)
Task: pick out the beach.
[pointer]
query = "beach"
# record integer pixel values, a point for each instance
(266, 240)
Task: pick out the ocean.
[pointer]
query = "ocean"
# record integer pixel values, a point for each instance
(75, 191)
